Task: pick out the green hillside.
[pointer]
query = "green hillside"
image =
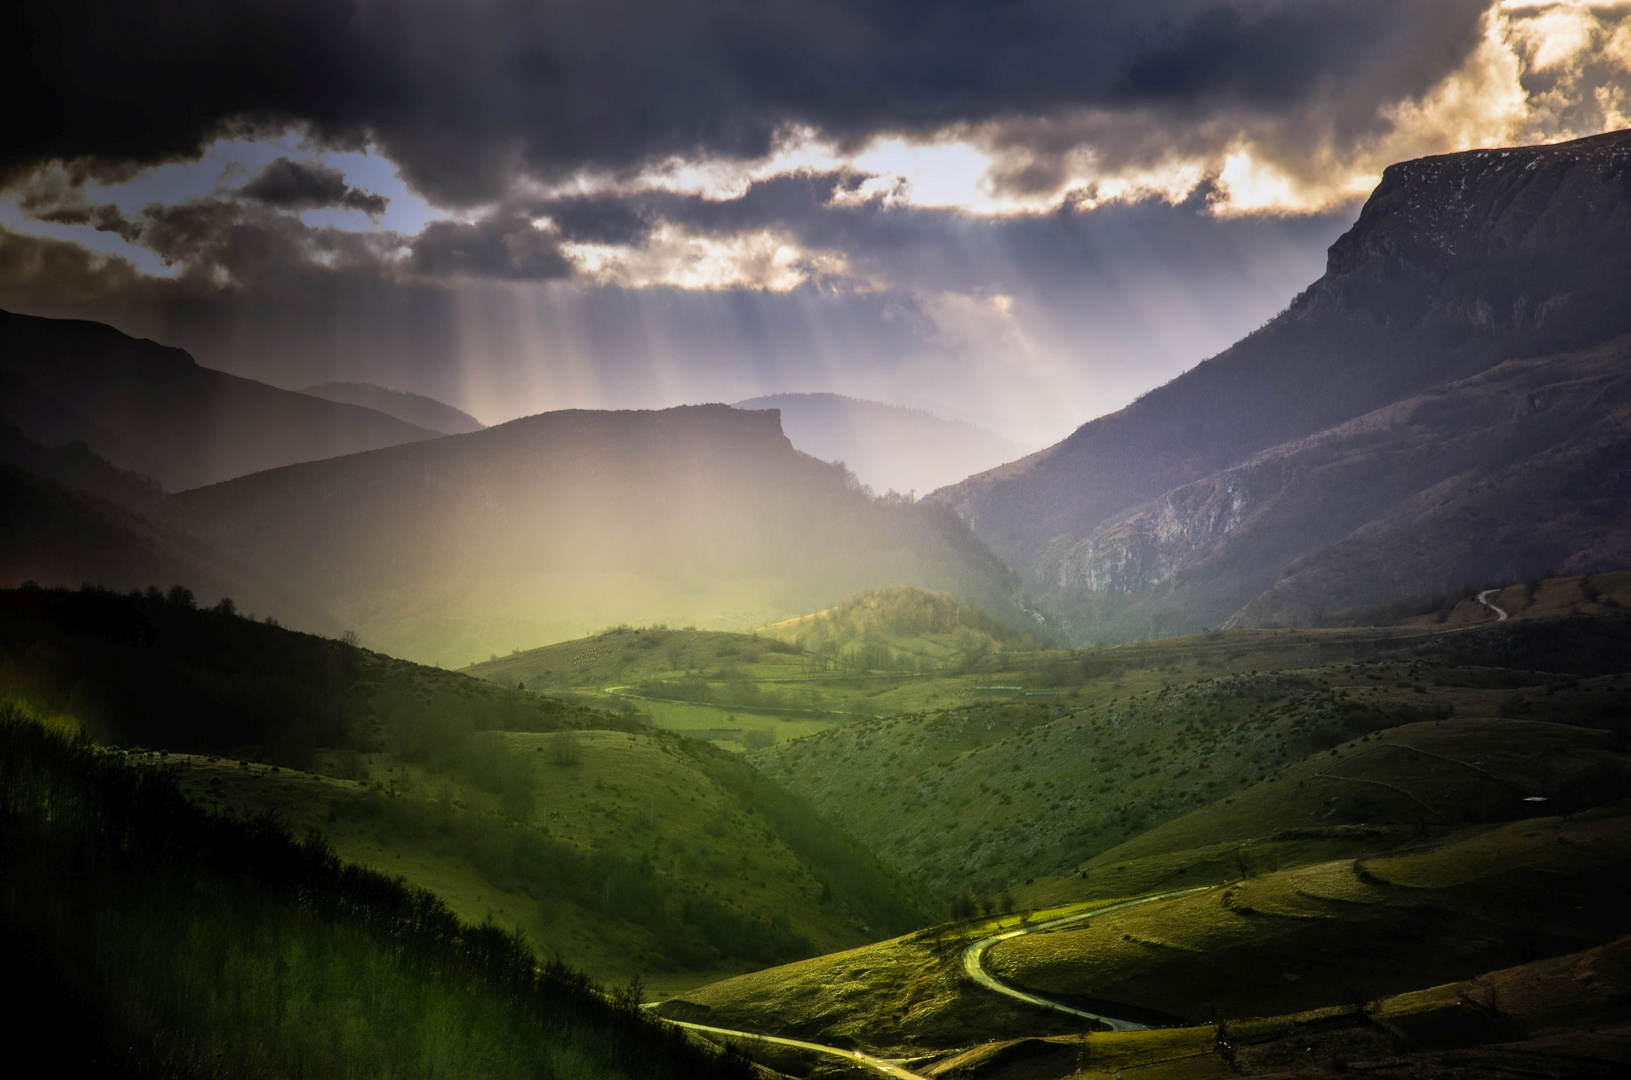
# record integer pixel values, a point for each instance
(625, 849)
(1300, 918)
(999, 790)
(150, 938)
(874, 654)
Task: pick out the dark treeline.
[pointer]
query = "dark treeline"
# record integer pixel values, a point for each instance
(208, 945)
(153, 669)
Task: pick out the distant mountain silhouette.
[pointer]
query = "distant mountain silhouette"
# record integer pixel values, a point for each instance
(150, 409)
(416, 409)
(57, 537)
(1442, 407)
(888, 447)
(555, 525)
(75, 465)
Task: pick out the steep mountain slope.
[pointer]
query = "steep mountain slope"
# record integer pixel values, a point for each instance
(1457, 265)
(410, 408)
(555, 525)
(888, 447)
(150, 408)
(55, 536)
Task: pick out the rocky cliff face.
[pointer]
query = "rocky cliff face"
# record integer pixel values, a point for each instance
(1456, 265)
(1527, 246)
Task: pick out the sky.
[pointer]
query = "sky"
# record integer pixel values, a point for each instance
(1021, 213)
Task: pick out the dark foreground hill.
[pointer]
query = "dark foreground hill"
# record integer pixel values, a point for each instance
(1446, 405)
(624, 849)
(556, 525)
(151, 409)
(148, 937)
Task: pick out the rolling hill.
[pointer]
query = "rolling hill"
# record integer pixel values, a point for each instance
(872, 654)
(1005, 787)
(1444, 407)
(151, 409)
(624, 850)
(555, 525)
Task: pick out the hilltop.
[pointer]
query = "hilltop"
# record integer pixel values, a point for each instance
(1442, 408)
(152, 409)
(543, 528)
(888, 447)
(872, 654)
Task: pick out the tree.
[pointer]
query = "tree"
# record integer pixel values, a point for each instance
(563, 748)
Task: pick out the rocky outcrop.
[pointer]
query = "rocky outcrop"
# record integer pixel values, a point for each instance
(1456, 265)
(560, 524)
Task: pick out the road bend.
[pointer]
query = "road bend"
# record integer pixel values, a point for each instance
(1483, 598)
(974, 958)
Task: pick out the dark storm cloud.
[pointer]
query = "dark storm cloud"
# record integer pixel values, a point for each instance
(308, 185)
(502, 245)
(466, 96)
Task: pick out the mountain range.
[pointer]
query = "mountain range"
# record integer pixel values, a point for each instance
(151, 409)
(1445, 406)
(555, 525)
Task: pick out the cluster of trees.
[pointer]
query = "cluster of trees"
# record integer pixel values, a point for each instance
(151, 668)
(186, 935)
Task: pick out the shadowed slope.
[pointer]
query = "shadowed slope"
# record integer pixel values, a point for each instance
(1457, 264)
(150, 408)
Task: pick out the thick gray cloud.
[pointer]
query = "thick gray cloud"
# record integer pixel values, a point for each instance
(467, 96)
(309, 185)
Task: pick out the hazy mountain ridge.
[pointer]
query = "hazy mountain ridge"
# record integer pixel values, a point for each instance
(152, 409)
(75, 465)
(57, 537)
(888, 447)
(411, 408)
(1457, 264)
(557, 524)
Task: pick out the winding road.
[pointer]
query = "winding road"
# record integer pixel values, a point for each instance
(974, 958)
(883, 1065)
(974, 967)
(1483, 598)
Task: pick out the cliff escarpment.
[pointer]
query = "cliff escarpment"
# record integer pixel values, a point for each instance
(561, 524)
(1178, 511)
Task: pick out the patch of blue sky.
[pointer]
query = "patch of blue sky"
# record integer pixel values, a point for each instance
(103, 243)
(227, 165)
